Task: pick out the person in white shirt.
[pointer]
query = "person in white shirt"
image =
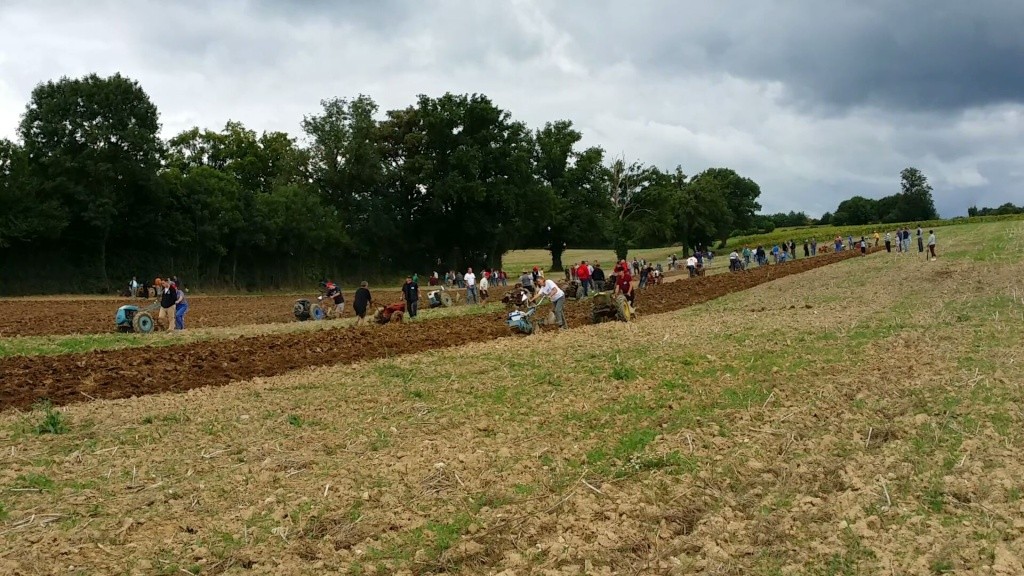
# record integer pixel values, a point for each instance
(484, 285)
(734, 261)
(470, 280)
(691, 265)
(557, 297)
(931, 243)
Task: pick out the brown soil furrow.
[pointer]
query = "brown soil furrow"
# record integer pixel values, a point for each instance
(138, 371)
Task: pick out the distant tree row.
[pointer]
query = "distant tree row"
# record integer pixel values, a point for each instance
(90, 195)
(913, 203)
(1005, 209)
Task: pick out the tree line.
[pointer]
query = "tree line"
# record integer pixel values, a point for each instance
(90, 195)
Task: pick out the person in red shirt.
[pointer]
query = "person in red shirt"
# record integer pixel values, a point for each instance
(624, 282)
(583, 273)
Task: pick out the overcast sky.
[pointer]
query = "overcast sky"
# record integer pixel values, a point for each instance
(816, 100)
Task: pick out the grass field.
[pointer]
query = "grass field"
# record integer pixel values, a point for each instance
(860, 418)
(516, 260)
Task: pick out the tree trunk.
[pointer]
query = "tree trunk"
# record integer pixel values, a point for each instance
(556, 259)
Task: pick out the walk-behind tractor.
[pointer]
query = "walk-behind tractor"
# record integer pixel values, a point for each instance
(608, 307)
(390, 313)
(526, 321)
(518, 298)
(573, 290)
(439, 298)
(305, 309)
(132, 318)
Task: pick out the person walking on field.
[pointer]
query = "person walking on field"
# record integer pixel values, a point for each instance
(361, 302)
(931, 244)
(411, 292)
(470, 280)
(557, 297)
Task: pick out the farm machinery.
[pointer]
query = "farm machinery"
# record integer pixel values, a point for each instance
(439, 298)
(525, 321)
(131, 318)
(518, 298)
(390, 313)
(607, 307)
(305, 309)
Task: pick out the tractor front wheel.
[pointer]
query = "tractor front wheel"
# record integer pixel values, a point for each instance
(143, 323)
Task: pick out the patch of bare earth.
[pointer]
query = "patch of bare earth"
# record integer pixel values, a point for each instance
(860, 418)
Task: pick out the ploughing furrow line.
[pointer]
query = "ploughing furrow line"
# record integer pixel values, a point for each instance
(149, 370)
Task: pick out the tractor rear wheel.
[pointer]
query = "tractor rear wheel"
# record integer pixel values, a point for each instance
(446, 300)
(143, 323)
(317, 312)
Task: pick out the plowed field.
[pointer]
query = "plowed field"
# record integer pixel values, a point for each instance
(138, 371)
(43, 317)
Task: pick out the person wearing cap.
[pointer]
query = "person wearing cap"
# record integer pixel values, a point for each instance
(333, 292)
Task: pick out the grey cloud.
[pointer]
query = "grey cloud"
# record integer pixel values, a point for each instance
(817, 101)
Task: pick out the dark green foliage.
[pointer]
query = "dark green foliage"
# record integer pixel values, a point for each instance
(90, 196)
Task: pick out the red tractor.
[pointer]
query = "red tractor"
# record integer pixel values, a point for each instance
(390, 313)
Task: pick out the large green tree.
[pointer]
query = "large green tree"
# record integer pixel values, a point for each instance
(740, 195)
(94, 148)
(463, 169)
(701, 210)
(642, 209)
(24, 216)
(916, 201)
(572, 181)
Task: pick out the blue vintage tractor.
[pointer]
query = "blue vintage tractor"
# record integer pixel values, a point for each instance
(131, 318)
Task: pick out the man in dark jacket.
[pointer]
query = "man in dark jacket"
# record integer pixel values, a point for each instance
(167, 302)
(411, 291)
(598, 277)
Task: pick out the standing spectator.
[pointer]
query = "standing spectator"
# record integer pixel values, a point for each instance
(920, 241)
(536, 276)
(792, 249)
(863, 246)
(839, 244)
(433, 279)
(807, 248)
(598, 277)
(411, 292)
(361, 302)
(133, 287)
(691, 265)
(624, 284)
(583, 274)
(931, 243)
(746, 257)
(485, 285)
(906, 239)
(180, 309)
(814, 246)
(526, 279)
(899, 241)
(888, 242)
(470, 280)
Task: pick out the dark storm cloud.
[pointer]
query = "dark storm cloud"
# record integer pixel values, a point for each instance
(911, 54)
